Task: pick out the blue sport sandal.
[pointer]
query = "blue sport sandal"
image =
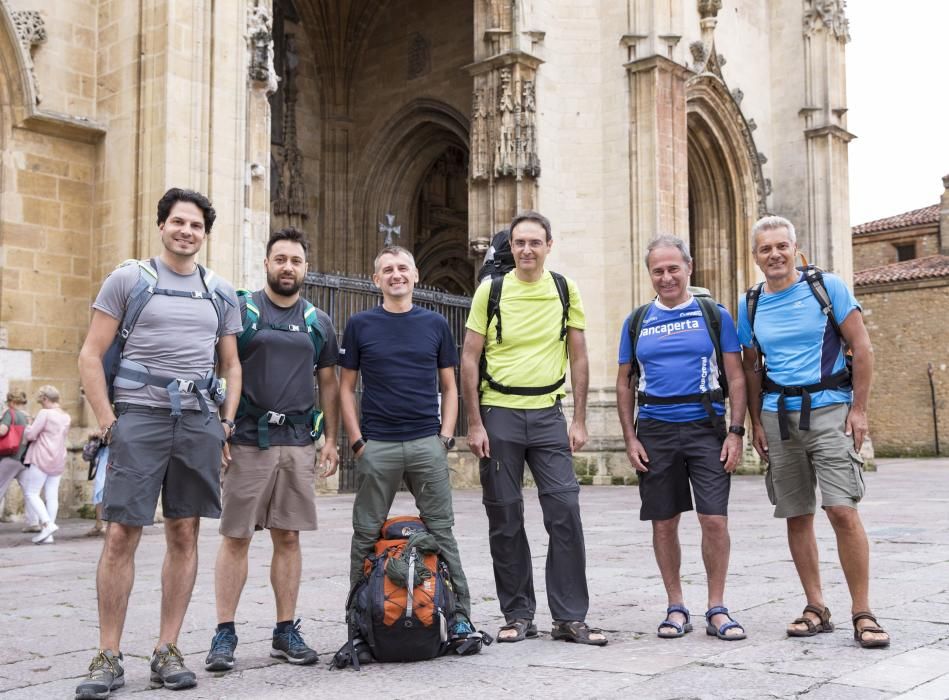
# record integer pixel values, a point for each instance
(677, 630)
(721, 632)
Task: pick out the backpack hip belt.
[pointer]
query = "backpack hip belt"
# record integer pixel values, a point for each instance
(265, 418)
(522, 390)
(706, 398)
(174, 386)
(838, 380)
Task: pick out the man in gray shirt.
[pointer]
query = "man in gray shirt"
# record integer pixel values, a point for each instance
(270, 481)
(177, 320)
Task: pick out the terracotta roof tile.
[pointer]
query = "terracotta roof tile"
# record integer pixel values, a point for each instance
(930, 267)
(926, 215)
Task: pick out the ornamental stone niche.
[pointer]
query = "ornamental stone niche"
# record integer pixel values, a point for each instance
(31, 31)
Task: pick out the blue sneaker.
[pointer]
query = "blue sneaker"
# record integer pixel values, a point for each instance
(221, 656)
(289, 645)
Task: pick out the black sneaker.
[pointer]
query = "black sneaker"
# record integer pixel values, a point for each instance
(168, 669)
(289, 645)
(105, 675)
(221, 656)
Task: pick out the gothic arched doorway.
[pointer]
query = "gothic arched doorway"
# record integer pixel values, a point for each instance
(726, 190)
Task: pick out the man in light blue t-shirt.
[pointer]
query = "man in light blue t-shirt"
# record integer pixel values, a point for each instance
(809, 415)
(679, 443)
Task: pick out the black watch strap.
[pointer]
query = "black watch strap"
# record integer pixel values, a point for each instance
(739, 430)
(359, 444)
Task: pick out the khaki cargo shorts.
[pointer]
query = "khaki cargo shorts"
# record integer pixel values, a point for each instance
(272, 488)
(821, 457)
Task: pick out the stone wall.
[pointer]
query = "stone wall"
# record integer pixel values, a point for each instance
(907, 325)
(880, 249)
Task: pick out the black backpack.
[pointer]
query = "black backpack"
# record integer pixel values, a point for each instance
(712, 315)
(499, 259)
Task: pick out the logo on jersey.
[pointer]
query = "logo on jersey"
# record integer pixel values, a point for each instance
(690, 313)
(670, 328)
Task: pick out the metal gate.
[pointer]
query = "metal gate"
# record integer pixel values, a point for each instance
(341, 297)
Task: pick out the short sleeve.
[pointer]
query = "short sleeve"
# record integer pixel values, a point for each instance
(447, 351)
(576, 318)
(233, 325)
(349, 352)
(116, 290)
(841, 297)
(744, 328)
(729, 337)
(478, 315)
(625, 345)
(7, 418)
(329, 354)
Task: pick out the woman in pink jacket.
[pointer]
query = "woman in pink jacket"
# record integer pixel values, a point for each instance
(46, 456)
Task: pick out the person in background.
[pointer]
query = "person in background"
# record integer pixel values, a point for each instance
(46, 456)
(11, 464)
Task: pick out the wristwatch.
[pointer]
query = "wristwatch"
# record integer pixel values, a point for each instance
(358, 445)
(230, 424)
(448, 442)
(739, 430)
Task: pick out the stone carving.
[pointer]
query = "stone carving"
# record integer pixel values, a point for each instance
(699, 52)
(738, 95)
(290, 194)
(420, 57)
(829, 15)
(30, 30)
(479, 137)
(528, 161)
(708, 9)
(260, 43)
(762, 158)
(752, 124)
(505, 154)
(389, 229)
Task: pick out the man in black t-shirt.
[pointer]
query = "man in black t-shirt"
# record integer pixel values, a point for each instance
(270, 480)
(404, 353)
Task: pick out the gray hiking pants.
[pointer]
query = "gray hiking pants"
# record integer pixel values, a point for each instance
(539, 437)
(379, 471)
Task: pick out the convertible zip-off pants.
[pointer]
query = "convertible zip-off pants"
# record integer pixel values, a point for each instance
(539, 437)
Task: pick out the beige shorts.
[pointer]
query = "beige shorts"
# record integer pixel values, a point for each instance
(272, 488)
(821, 457)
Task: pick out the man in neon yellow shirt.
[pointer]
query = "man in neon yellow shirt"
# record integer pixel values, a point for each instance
(533, 321)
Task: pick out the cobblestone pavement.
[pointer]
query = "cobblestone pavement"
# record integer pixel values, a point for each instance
(48, 609)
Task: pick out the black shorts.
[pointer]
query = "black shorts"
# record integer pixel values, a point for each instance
(680, 453)
(151, 452)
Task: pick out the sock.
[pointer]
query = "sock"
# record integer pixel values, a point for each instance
(284, 626)
(227, 626)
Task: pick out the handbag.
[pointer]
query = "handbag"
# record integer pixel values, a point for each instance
(10, 443)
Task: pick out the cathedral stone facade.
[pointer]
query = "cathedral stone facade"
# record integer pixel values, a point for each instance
(618, 119)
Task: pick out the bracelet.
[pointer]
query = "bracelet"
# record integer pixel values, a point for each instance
(358, 445)
(107, 433)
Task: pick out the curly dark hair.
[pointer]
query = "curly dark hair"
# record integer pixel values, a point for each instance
(291, 234)
(175, 195)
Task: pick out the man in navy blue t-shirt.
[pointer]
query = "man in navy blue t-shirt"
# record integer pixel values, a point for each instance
(404, 353)
(679, 438)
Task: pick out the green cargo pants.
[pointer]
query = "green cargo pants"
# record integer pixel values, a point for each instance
(379, 472)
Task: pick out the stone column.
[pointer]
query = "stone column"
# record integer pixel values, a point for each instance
(658, 176)
(827, 233)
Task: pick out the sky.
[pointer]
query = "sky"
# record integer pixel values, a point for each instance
(898, 100)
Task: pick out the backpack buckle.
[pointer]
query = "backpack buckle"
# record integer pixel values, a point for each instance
(197, 295)
(275, 418)
(293, 327)
(185, 386)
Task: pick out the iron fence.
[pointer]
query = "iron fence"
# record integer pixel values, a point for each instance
(341, 297)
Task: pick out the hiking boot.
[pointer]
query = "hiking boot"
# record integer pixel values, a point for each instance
(105, 675)
(221, 656)
(289, 645)
(169, 670)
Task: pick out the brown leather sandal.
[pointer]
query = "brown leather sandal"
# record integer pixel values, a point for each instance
(875, 628)
(825, 625)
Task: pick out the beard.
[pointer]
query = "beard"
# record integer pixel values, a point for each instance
(283, 286)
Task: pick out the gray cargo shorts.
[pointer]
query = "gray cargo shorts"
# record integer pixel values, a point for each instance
(154, 452)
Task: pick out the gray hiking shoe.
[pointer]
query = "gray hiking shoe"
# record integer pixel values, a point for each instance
(168, 669)
(105, 675)
(289, 645)
(221, 656)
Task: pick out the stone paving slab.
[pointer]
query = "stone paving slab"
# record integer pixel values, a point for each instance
(48, 609)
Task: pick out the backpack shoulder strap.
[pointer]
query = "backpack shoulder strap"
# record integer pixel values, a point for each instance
(751, 300)
(494, 305)
(139, 296)
(314, 329)
(220, 301)
(712, 314)
(250, 315)
(814, 277)
(563, 291)
(635, 328)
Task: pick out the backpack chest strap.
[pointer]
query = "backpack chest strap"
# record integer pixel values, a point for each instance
(838, 380)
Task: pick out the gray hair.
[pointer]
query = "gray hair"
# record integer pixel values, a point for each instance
(667, 241)
(392, 250)
(48, 392)
(770, 223)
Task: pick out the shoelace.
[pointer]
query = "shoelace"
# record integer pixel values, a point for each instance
(294, 638)
(172, 659)
(100, 662)
(222, 642)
